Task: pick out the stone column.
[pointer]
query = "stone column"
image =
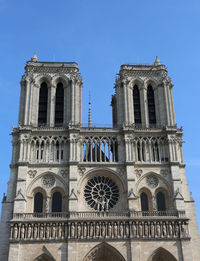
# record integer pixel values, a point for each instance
(27, 101)
(144, 106)
(51, 105)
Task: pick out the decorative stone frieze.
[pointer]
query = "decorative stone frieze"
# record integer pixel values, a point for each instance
(32, 173)
(110, 229)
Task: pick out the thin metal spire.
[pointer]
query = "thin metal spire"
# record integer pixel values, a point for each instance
(89, 113)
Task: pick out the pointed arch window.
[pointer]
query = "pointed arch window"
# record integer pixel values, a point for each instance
(38, 203)
(57, 202)
(151, 105)
(144, 202)
(59, 107)
(43, 101)
(160, 198)
(136, 104)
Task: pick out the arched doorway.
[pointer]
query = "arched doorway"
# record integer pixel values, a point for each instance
(104, 252)
(161, 254)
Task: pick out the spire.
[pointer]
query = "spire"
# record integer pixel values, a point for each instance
(157, 61)
(34, 58)
(89, 113)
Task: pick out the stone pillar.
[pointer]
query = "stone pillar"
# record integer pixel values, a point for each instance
(144, 106)
(27, 101)
(51, 105)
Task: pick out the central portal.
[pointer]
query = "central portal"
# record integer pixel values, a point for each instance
(104, 252)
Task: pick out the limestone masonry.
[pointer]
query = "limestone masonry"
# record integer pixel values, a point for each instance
(83, 193)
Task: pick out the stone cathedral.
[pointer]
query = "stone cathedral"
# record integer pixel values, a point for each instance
(86, 193)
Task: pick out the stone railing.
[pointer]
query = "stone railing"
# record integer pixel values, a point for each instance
(111, 215)
(110, 229)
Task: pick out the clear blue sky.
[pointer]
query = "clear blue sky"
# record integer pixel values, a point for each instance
(100, 36)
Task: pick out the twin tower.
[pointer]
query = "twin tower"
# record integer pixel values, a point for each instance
(80, 193)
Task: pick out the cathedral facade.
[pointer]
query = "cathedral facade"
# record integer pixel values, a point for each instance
(88, 193)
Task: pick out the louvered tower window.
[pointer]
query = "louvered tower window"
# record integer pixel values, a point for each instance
(59, 109)
(151, 105)
(43, 101)
(136, 103)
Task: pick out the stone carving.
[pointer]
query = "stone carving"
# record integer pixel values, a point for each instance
(138, 172)
(152, 181)
(121, 171)
(164, 172)
(81, 171)
(64, 172)
(32, 173)
(101, 229)
(48, 181)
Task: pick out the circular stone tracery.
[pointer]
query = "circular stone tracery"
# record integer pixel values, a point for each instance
(101, 193)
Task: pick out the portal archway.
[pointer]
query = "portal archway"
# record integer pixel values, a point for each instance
(104, 252)
(161, 254)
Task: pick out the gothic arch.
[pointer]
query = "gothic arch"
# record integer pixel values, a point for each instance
(44, 78)
(161, 254)
(139, 82)
(152, 82)
(61, 78)
(104, 252)
(44, 257)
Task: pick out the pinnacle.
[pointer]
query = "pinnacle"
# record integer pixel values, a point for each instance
(34, 58)
(157, 61)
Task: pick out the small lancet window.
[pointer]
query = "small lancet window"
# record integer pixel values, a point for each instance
(38, 203)
(43, 101)
(136, 103)
(151, 105)
(144, 202)
(160, 198)
(59, 108)
(57, 202)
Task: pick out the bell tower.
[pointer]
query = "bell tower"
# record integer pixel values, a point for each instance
(51, 94)
(143, 96)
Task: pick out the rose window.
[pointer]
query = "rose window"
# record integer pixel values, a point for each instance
(101, 193)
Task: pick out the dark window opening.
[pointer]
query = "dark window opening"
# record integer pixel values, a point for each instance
(136, 102)
(43, 101)
(57, 202)
(59, 107)
(38, 202)
(144, 202)
(161, 201)
(151, 105)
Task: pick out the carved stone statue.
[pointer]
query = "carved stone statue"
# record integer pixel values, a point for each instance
(85, 232)
(35, 231)
(97, 229)
(103, 230)
(164, 230)
(15, 232)
(158, 229)
(29, 232)
(22, 232)
(53, 235)
(115, 230)
(152, 229)
(146, 229)
(79, 234)
(140, 229)
(170, 229)
(134, 229)
(176, 229)
(91, 230)
(121, 229)
(41, 231)
(109, 229)
(127, 229)
(72, 230)
(47, 231)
